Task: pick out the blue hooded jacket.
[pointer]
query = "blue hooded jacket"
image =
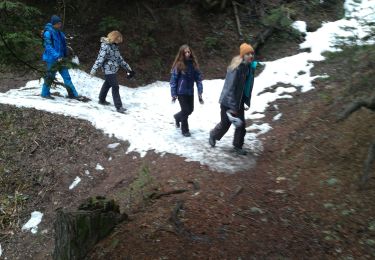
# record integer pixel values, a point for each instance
(182, 82)
(54, 44)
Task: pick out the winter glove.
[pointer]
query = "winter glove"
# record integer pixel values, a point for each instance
(200, 99)
(246, 108)
(130, 74)
(174, 99)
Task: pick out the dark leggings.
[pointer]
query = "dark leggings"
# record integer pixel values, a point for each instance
(221, 128)
(187, 107)
(111, 82)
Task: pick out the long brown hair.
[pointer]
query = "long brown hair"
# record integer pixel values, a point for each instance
(179, 63)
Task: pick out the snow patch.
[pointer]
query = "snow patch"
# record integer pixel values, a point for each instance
(277, 117)
(32, 224)
(300, 26)
(113, 146)
(75, 183)
(75, 60)
(1, 251)
(87, 172)
(99, 167)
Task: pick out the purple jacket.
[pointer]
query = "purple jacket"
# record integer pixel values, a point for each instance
(182, 82)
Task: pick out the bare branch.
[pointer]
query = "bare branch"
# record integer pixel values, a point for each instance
(351, 108)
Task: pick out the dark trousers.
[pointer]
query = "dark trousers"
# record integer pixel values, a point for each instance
(221, 128)
(111, 82)
(187, 107)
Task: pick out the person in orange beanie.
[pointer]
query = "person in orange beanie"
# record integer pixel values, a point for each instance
(236, 93)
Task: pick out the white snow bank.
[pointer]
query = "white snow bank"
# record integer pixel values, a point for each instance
(149, 124)
(32, 224)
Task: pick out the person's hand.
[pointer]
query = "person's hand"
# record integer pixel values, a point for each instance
(233, 113)
(174, 99)
(200, 99)
(92, 73)
(130, 74)
(59, 59)
(246, 108)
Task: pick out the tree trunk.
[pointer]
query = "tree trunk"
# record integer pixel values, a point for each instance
(78, 231)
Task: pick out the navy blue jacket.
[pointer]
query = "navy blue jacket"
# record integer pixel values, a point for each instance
(54, 44)
(182, 82)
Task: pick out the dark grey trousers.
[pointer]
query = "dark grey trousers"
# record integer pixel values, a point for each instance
(187, 107)
(111, 82)
(221, 128)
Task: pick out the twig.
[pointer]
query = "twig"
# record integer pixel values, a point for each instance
(174, 217)
(244, 216)
(159, 195)
(238, 190)
(368, 163)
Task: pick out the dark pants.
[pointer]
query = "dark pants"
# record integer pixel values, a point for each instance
(111, 82)
(221, 128)
(187, 107)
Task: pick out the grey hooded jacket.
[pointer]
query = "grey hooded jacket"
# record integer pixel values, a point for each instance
(109, 58)
(233, 90)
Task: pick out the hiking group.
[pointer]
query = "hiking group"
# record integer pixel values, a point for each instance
(234, 99)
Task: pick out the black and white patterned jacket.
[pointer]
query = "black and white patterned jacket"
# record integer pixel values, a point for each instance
(109, 58)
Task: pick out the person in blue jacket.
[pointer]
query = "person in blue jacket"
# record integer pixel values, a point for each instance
(236, 93)
(55, 51)
(185, 72)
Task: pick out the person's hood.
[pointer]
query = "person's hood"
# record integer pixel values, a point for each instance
(49, 27)
(104, 40)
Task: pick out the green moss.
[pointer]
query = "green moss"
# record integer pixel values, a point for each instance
(138, 192)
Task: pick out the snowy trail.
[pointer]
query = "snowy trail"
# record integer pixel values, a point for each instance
(149, 125)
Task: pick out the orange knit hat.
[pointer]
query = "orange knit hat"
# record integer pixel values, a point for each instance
(245, 48)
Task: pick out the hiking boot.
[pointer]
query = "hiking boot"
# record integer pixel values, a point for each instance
(212, 140)
(104, 103)
(177, 123)
(186, 134)
(121, 110)
(240, 151)
(79, 98)
(48, 97)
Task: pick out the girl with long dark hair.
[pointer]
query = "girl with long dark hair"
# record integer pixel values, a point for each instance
(185, 71)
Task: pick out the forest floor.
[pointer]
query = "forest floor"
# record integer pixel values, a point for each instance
(301, 200)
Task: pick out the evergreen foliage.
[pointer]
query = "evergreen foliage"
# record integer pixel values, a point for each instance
(20, 42)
